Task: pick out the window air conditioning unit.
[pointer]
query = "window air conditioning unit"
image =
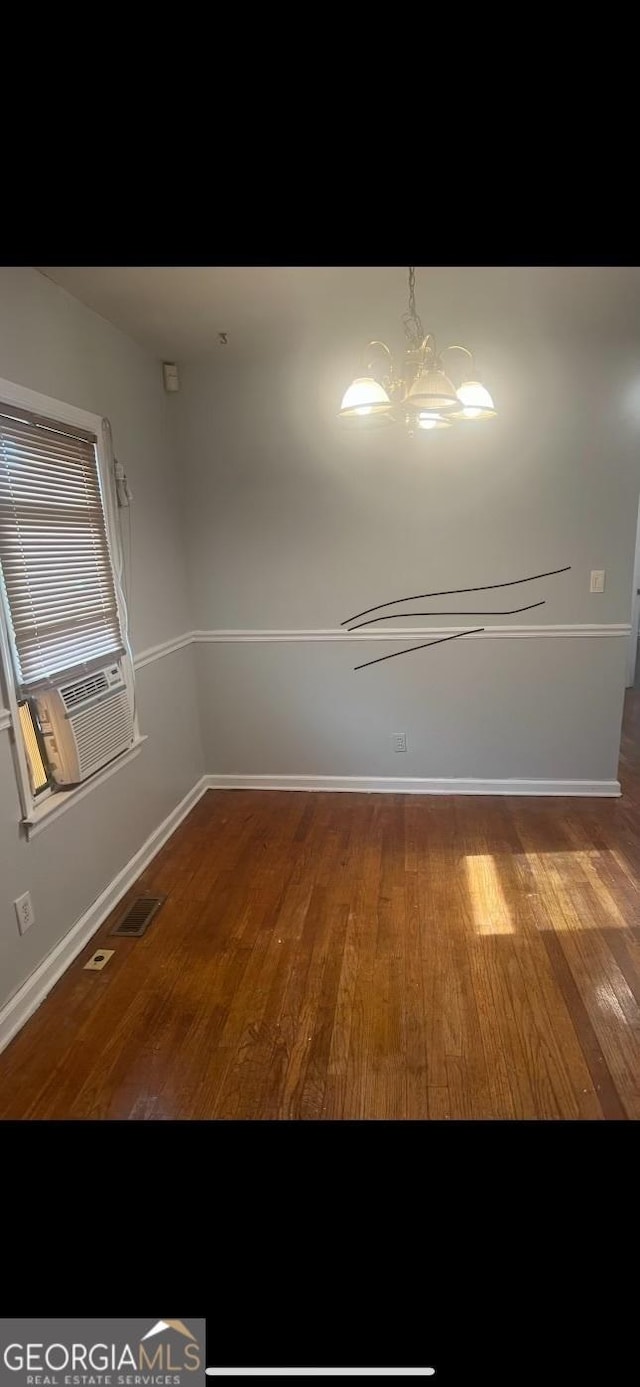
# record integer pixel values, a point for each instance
(85, 723)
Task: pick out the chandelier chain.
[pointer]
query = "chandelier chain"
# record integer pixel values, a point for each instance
(411, 319)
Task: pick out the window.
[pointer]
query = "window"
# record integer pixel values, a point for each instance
(64, 614)
(54, 551)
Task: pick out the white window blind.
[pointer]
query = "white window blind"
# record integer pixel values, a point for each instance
(54, 551)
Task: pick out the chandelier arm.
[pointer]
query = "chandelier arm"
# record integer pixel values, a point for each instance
(429, 346)
(369, 359)
(376, 343)
(455, 347)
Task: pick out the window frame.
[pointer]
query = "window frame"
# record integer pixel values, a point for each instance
(36, 811)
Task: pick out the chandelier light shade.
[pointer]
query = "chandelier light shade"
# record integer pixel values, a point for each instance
(364, 396)
(476, 400)
(416, 391)
(433, 390)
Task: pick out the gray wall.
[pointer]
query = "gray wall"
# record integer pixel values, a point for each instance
(294, 526)
(51, 343)
(490, 709)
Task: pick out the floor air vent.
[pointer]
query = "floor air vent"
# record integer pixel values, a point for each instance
(139, 916)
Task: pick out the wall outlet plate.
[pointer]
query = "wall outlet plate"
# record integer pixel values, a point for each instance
(597, 580)
(399, 741)
(25, 913)
(99, 959)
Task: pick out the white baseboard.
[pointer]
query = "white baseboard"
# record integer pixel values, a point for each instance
(413, 785)
(25, 1001)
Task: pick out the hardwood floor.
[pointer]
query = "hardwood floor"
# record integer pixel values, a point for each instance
(362, 956)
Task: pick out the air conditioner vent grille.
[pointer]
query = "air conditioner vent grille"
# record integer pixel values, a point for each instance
(82, 689)
(139, 916)
(101, 731)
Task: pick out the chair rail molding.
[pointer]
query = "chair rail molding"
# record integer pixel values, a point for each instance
(400, 633)
(225, 634)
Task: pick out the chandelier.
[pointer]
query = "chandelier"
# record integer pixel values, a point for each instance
(416, 392)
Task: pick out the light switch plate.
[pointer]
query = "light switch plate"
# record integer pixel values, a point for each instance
(597, 580)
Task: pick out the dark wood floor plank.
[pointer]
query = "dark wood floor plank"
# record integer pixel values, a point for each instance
(590, 984)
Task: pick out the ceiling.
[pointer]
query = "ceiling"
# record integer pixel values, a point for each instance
(178, 311)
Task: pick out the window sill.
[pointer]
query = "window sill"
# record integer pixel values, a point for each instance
(43, 814)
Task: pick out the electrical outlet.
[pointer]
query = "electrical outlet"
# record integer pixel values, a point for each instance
(597, 580)
(399, 741)
(25, 913)
(99, 959)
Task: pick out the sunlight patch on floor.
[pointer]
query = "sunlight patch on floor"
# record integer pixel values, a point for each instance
(491, 914)
(559, 874)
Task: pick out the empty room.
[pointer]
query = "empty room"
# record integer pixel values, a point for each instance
(319, 693)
